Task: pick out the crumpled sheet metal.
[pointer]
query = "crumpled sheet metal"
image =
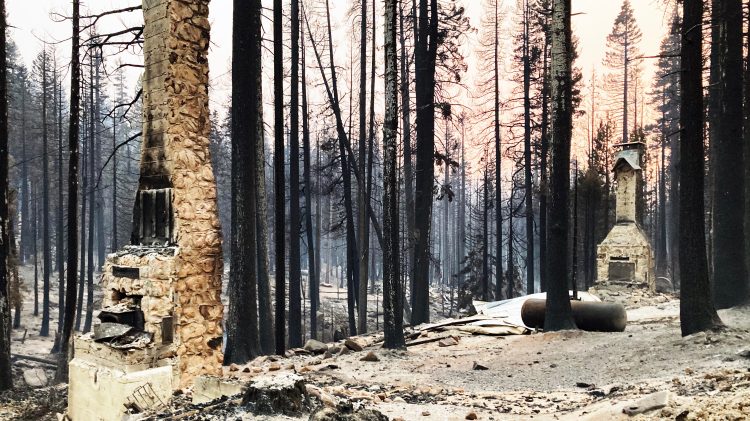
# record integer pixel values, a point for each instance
(121, 336)
(497, 318)
(478, 325)
(106, 331)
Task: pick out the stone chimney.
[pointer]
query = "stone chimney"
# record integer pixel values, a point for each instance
(161, 321)
(625, 256)
(175, 155)
(629, 178)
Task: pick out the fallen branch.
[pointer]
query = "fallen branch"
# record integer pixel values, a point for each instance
(426, 340)
(32, 358)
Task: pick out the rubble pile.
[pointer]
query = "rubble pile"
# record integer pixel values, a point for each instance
(629, 296)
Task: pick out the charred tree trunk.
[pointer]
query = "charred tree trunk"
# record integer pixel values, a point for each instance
(485, 235)
(59, 235)
(92, 205)
(730, 283)
(461, 249)
(35, 248)
(113, 244)
(6, 374)
(265, 303)
(543, 174)
(82, 237)
(498, 158)
(746, 138)
(425, 57)
(511, 271)
(25, 196)
(46, 244)
(242, 316)
(295, 291)
(392, 310)
(406, 133)
(101, 244)
(661, 246)
(70, 291)
(697, 311)
(313, 247)
(278, 176)
(528, 182)
(362, 193)
(558, 314)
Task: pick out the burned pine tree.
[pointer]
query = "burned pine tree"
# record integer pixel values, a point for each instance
(242, 318)
(362, 197)
(313, 246)
(46, 244)
(279, 179)
(6, 374)
(730, 283)
(697, 312)
(489, 86)
(558, 311)
(71, 277)
(425, 54)
(60, 214)
(91, 193)
(392, 308)
(295, 281)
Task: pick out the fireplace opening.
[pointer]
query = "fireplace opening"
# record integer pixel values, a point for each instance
(126, 310)
(132, 317)
(153, 219)
(621, 271)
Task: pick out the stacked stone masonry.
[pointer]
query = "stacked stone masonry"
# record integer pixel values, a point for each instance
(184, 283)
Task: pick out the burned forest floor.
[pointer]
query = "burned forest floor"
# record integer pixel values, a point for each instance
(649, 371)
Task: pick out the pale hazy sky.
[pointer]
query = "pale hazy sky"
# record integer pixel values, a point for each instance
(593, 19)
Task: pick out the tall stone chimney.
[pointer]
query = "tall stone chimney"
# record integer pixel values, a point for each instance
(625, 256)
(629, 177)
(161, 321)
(175, 155)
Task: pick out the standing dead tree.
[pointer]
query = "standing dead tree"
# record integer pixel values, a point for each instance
(697, 311)
(558, 311)
(6, 375)
(71, 276)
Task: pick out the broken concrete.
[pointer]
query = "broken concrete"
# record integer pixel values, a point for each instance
(208, 388)
(97, 392)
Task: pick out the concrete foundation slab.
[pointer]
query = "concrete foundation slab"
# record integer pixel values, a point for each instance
(99, 393)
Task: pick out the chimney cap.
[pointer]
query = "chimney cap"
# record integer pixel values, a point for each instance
(631, 145)
(631, 157)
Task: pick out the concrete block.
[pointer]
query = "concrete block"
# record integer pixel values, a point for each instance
(98, 393)
(208, 388)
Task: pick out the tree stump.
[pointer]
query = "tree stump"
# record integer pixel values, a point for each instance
(280, 394)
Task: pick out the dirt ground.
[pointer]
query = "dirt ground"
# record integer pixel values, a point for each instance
(568, 375)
